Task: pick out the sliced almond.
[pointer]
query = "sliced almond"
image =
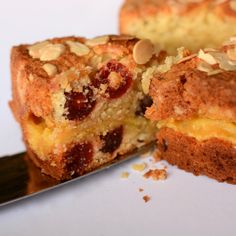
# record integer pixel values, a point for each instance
(186, 58)
(78, 48)
(50, 69)
(232, 5)
(214, 72)
(97, 41)
(223, 61)
(205, 67)
(34, 50)
(231, 53)
(46, 51)
(143, 51)
(208, 58)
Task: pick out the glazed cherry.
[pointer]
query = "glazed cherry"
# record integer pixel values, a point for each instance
(79, 157)
(117, 78)
(112, 140)
(79, 104)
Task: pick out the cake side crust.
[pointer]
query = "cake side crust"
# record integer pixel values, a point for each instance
(213, 157)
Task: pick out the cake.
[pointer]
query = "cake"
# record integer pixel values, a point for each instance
(193, 24)
(80, 102)
(194, 105)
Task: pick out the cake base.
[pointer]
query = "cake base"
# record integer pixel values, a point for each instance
(213, 157)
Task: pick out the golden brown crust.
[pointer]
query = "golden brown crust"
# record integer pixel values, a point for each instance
(185, 92)
(35, 84)
(66, 92)
(213, 157)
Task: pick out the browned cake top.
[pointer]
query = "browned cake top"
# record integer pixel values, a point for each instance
(199, 85)
(75, 63)
(149, 7)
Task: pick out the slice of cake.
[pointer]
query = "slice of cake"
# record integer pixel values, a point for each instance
(80, 102)
(193, 24)
(194, 104)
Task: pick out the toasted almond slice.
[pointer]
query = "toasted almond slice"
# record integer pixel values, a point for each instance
(205, 67)
(223, 61)
(34, 50)
(214, 72)
(78, 48)
(97, 41)
(51, 52)
(208, 58)
(186, 58)
(231, 53)
(50, 69)
(143, 51)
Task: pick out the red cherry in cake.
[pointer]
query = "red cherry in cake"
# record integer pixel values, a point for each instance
(116, 76)
(112, 140)
(79, 105)
(79, 157)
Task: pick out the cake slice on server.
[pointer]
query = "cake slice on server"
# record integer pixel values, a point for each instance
(80, 102)
(176, 23)
(194, 104)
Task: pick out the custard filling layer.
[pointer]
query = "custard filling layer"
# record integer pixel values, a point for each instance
(203, 129)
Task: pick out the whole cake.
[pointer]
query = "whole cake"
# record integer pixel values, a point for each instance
(193, 24)
(194, 104)
(80, 102)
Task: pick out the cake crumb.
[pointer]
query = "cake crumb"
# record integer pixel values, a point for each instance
(146, 198)
(156, 174)
(156, 156)
(139, 167)
(140, 189)
(124, 175)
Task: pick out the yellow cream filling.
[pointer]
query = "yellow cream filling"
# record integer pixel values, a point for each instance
(43, 139)
(202, 128)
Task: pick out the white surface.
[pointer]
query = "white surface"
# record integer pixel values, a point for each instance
(102, 204)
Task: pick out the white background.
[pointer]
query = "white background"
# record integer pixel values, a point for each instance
(102, 204)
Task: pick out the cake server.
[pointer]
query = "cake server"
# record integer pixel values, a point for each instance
(20, 178)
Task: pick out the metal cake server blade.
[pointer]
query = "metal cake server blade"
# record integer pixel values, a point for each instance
(20, 178)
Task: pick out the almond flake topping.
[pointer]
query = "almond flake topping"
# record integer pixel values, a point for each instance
(78, 48)
(208, 58)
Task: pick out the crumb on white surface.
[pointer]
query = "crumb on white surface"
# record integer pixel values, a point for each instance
(125, 175)
(156, 174)
(139, 166)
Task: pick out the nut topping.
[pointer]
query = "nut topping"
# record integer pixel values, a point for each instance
(205, 67)
(46, 51)
(50, 69)
(231, 53)
(208, 58)
(143, 51)
(78, 48)
(97, 41)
